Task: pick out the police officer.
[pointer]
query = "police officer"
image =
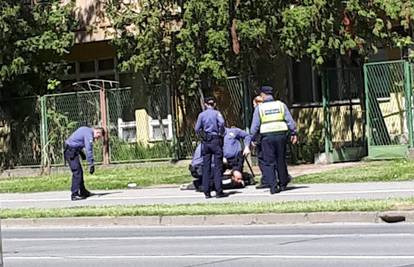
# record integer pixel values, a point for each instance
(274, 121)
(82, 138)
(210, 124)
(232, 149)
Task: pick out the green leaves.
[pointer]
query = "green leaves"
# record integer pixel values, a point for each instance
(33, 40)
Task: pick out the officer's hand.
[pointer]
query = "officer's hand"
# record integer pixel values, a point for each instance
(294, 139)
(253, 144)
(82, 155)
(224, 160)
(246, 151)
(91, 169)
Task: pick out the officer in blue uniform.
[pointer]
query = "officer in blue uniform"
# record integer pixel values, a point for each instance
(232, 150)
(210, 125)
(275, 123)
(82, 138)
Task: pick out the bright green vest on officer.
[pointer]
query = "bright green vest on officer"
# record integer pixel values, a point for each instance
(272, 117)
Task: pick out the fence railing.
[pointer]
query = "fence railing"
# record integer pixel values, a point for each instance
(147, 125)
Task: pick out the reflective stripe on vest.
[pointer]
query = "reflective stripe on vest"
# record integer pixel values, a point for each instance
(272, 117)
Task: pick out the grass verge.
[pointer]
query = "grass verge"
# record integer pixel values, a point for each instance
(375, 171)
(103, 179)
(215, 209)
(118, 178)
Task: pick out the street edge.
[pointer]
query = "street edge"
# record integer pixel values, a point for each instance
(236, 219)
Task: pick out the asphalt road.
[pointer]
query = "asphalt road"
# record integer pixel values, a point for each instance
(241, 246)
(152, 196)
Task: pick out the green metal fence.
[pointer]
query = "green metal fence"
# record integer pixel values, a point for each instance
(388, 88)
(344, 118)
(143, 123)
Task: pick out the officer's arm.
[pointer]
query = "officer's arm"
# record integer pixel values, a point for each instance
(88, 140)
(220, 123)
(247, 139)
(255, 122)
(199, 124)
(289, 121)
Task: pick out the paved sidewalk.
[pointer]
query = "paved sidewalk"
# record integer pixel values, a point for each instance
(173, 195)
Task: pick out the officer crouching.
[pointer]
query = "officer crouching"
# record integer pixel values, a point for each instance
(274, 121)
(210, 125)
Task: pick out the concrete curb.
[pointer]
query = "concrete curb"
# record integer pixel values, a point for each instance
(239, 219)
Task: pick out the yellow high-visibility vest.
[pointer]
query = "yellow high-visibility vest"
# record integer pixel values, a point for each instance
(272, 117)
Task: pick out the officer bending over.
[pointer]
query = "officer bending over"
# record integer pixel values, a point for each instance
(232, 150)
(210, 124)
(82, 138)
(274, 121)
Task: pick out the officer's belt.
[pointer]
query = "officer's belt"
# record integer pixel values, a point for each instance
(274, 133)
(209, 137)
(72, 148)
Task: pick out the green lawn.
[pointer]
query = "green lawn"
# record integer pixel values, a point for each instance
(103, 179)
(379, 171)
(216, 208)
(375, 171)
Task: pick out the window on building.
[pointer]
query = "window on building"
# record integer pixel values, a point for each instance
(87, 70)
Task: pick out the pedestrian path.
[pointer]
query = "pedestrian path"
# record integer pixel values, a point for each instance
(173, 195)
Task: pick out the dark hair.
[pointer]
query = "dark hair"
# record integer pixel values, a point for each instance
(100, 129)
(209, 100)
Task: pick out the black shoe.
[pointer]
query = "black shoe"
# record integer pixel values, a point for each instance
(207, 195)
(283, 188)
(77, 196)
(85, 193)
(262, 186)
(221, 194)
(275, 190)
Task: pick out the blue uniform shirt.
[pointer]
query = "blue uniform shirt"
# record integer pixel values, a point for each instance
(255, 127)
(82, 138)
(210, 121)
(232, 138)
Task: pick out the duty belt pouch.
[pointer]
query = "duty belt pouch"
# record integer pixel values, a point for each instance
(71, 153)
(207, 138)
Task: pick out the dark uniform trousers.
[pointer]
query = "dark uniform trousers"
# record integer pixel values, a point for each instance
(72, 157)
(236, 163)
(212, 145)
(274, 161)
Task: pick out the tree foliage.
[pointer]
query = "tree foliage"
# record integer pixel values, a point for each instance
(265, 29)
(320, 28)
(33, 39)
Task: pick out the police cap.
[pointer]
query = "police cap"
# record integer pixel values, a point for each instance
(268, 90)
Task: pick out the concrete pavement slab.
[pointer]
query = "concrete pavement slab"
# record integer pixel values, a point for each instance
(149, 196)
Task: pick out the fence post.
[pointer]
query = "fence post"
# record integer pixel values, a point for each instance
(408, 101)
(43, 131)
(246, 102)
(103, 105)
(326, 116)
(172, 110)
(367, 109)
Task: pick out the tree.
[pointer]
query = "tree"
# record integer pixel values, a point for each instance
(321, 28)
(34, 37)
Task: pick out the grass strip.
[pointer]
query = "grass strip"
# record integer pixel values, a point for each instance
(215, 208)
(118, 178)
(103, 179)
(375, 171)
